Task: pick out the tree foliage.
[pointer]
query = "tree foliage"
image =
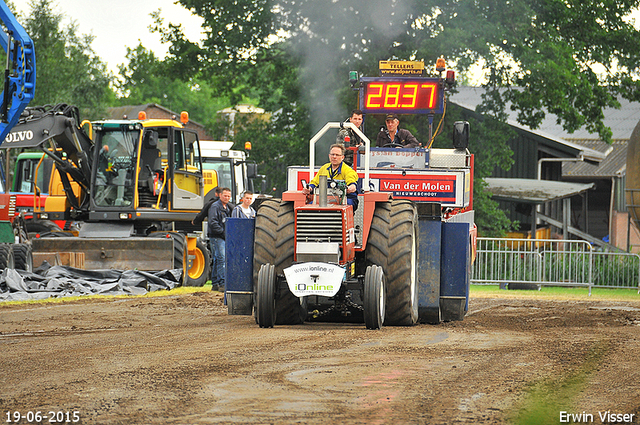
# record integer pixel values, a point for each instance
(147, 79)
(566, 57)
(570, 58)
(68, 70)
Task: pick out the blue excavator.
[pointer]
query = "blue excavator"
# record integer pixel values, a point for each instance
(20, 71)
(19, 86)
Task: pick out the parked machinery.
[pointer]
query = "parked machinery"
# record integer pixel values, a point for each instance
(140, 184)
(18, 90)
(403, 257)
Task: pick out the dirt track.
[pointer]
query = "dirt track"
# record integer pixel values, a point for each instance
(183, 360)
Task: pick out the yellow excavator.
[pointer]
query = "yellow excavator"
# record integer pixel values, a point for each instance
(141, 183)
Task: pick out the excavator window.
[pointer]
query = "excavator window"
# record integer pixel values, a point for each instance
(186, 152)
(223, 170)
(163, 143)
(116, 163)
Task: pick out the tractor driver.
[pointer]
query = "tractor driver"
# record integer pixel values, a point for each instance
(337, 170)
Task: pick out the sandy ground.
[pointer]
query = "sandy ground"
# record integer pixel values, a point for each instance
(183, 360)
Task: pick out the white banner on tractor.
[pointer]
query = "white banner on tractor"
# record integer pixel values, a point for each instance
(314, 279)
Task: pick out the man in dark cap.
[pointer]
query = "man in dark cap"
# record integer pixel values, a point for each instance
(400, 137)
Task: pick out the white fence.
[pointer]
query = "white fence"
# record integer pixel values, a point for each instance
(552, 262)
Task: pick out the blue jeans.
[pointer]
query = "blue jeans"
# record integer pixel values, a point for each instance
(218, 267)
(352, 199)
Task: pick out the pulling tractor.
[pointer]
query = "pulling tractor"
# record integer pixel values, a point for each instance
(308, 259)
(404, 257)
(394, 262)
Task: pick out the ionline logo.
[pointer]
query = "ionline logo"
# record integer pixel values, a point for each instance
(313, 287)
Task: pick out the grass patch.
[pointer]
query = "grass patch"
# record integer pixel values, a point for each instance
(557, 292)
(100, 297)
(545, 400)
(477, 291)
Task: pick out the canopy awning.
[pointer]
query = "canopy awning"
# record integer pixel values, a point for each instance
(533, 191)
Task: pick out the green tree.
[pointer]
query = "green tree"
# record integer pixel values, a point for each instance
(546, 52)
(68, 70)
(570, 58)
(147, 79)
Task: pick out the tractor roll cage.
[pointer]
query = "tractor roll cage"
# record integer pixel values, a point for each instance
(323, 130)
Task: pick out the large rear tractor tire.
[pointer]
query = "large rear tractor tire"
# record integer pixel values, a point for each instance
(274, 244)
(23, 257)
(266, 296)
(374, 297)
(200, 266)
(392, 246)
(401, 271)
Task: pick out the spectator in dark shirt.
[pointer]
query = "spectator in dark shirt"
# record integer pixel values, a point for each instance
(219, 212)
(401, 138)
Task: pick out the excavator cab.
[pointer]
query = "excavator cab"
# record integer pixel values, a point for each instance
(115, 161)
(153, 164)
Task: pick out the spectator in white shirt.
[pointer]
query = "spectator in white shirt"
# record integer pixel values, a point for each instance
(244, 209)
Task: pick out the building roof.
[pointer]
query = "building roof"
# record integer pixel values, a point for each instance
(621, 121)
(470, 97)
(614, 165)
(613, 157)
(533, 191)
(153, 111)
(128, 111)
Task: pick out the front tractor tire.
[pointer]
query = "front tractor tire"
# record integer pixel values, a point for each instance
(274, 244)
(374, 297)
(392, 245)
(266, 296)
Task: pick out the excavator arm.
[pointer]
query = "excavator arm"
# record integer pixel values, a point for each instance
(56, 131)
(20, 71)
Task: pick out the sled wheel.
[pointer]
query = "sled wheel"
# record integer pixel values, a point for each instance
(374, 297)
(266, 296)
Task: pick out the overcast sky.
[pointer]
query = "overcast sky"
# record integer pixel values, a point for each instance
(118, 24)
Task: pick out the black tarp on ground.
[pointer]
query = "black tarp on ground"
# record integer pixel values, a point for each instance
(64, 281)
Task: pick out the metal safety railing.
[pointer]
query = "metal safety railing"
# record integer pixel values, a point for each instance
(552, 262)
(616, 270)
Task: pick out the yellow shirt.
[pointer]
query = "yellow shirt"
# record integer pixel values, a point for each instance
(343, 173)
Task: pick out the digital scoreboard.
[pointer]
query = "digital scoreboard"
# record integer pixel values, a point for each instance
(401, 95)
